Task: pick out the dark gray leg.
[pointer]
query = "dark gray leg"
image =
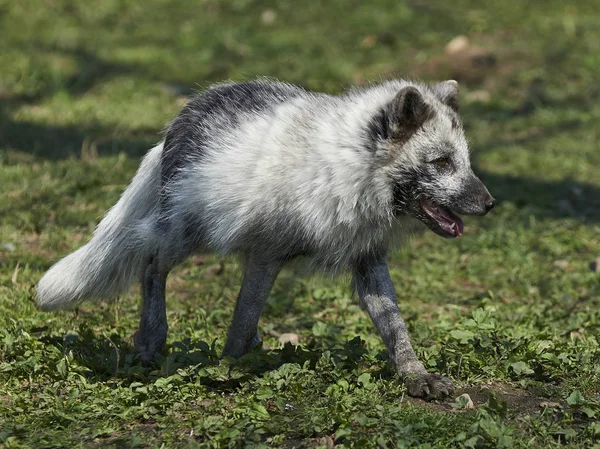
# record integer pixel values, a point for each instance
(243, 332)
(376, 292)
(151, 337)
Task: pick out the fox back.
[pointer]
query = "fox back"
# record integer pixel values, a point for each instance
(269, 166)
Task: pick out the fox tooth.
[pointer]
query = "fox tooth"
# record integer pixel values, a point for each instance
(453, 225)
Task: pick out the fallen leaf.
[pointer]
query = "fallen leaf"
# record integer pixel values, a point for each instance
(294, 339)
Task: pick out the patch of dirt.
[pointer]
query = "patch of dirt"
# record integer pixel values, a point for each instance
(520, 402)
(485, 63)
(123, 439)
(326, 441)
(464, 62)
(6, 400)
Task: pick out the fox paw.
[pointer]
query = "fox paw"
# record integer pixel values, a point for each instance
(428, 386)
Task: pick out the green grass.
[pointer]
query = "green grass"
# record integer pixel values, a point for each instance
(510, 311)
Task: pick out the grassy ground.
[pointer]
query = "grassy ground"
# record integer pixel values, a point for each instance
(510, 311)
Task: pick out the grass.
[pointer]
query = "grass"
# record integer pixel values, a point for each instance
(510, 311)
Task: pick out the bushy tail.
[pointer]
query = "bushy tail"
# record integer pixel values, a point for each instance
(119, 248)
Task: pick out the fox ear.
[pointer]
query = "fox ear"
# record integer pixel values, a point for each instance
(408, 112)
(447, 92)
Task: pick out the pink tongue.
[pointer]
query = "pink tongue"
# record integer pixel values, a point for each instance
(458, 224)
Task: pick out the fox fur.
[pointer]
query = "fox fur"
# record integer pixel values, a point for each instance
(270, 172)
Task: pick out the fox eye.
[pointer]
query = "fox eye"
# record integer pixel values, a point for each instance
(442, 162)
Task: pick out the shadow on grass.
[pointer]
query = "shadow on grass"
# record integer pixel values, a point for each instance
(110, 357)
(546, 199)
(58, 142)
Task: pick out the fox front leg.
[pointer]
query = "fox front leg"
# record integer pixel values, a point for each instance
(376, 291)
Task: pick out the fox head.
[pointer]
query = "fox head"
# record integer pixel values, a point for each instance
(427, 158)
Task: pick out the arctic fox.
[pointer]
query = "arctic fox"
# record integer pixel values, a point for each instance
(270, 172)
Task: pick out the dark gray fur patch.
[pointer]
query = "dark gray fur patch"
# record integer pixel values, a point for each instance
(378, 129)
(220, 107)
(398, 120)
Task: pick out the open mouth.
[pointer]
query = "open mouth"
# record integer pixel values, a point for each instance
(442, 221)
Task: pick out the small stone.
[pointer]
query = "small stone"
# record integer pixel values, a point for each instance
(294, 339)
(457, 45)
(326, 441)
(268, 16)
(465, 402)
(8, 246)
(549, 405)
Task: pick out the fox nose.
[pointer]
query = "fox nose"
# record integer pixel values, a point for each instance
(490, 205)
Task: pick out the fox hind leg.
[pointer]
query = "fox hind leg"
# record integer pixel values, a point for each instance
(259, 277)
(151, 337)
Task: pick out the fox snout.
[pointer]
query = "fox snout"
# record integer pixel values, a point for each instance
(487, 203)
(475, 199)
